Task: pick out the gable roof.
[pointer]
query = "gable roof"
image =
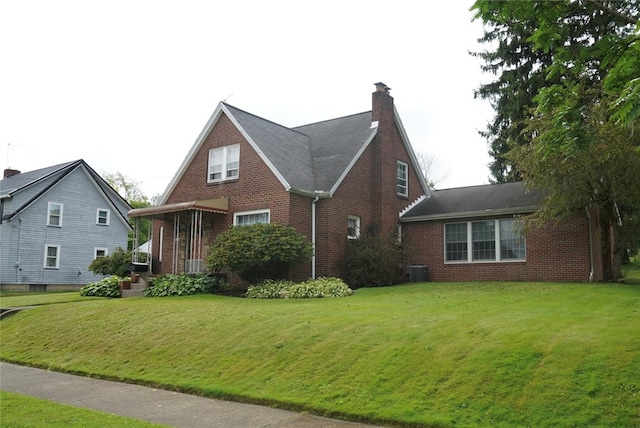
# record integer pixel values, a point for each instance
(311, 159)
(16, 183)
(474, 201)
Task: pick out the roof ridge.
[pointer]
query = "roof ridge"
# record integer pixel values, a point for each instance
(262, 118)
(329, 120)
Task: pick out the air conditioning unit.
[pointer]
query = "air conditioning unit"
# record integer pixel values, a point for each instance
(418, 273)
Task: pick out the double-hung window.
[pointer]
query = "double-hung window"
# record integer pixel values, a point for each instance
(100, 252)
(486, 240)
(54, 214)
(224, 163)
(248, 218)
(456, 242)
(353, 227)
(103, 216)
(402, 176)
(52, 256)
(511, 240)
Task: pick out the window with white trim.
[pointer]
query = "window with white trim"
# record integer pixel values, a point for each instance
(353, 227)
(224, 163)
(54, 214)
(51, 256)
(512, 245)
(398, 233)
(485, 240)
(402, 175)
(103, 216)
(100, 252)
(247, 218)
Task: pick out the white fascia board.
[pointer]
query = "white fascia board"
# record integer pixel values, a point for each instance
(471, 214)
(412, 154)
(260, 153)
(353, 161)
(192, 152)
(109, 202)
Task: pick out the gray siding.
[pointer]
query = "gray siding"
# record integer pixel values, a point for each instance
(23, 239)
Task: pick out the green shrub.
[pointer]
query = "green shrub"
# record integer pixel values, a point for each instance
(116, 263)
(259, 251)
(183, 285)
(314, 288)
(107, 287)
(372, 261)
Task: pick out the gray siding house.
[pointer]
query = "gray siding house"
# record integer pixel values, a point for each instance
(54, 222)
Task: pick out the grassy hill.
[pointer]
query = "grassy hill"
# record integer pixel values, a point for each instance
(430, 354)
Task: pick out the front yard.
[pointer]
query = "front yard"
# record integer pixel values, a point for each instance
(428, 354)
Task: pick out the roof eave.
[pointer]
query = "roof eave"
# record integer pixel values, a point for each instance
(471, 214)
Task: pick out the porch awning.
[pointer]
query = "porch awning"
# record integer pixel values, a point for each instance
(219, 205)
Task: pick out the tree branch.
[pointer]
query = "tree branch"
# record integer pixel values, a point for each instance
(600, 5)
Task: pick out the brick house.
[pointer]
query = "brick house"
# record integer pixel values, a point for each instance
(331, 180)
(476, 233)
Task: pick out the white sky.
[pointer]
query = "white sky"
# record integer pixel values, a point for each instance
(128, 85)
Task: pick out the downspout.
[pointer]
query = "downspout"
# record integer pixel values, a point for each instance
(313, 237)
(590, 245)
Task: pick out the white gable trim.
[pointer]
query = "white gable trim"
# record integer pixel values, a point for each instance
(255, 147)
(192, 152)
(353, 161)
(412, 154)
(220, 109)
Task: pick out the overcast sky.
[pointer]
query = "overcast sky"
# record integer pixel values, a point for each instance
(128, 85)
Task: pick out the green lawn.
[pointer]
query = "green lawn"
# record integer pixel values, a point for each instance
(430, 354)
(22, 411)
(12, 299)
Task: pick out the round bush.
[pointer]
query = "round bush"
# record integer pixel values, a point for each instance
(107, 287)
(182, 285)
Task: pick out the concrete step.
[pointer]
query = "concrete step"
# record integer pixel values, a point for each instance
(132, 293)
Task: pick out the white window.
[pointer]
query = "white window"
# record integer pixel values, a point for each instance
(486, 240)
(103, 216)
(51, 256)
(398, 233)
(224, 163)
(247, 218)
(512, 245)
(483, 235)
(100, 252)
(455, 237)
(403, 177)
(54, 214)
(353, 227)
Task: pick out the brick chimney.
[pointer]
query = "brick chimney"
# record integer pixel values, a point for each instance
(9, 172)
(382, 104)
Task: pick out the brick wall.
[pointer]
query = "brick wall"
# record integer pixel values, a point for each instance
(368, 191)
(557, 252)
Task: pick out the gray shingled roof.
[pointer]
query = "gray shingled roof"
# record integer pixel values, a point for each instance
(310, 157)
(335, 144)
(475, 201)
(16, 182)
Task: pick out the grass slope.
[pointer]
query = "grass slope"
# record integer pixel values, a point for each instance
(428, 354)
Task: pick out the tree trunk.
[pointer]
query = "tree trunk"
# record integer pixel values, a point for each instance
(607, 268)
(619, 252)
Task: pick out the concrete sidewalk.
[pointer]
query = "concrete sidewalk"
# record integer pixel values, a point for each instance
(154, 405)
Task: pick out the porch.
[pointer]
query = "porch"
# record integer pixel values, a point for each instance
(186, 224)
